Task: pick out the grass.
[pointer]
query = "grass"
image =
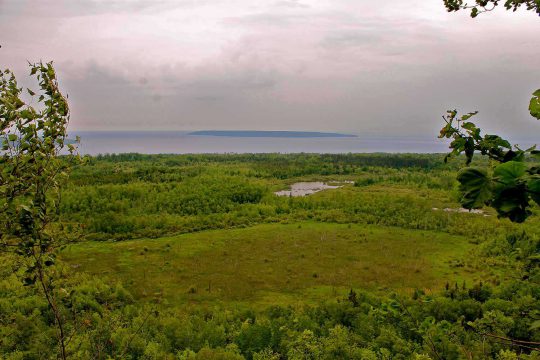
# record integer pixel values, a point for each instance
(276, 263)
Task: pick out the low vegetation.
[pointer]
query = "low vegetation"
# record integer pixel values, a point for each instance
(194, 257)
(277, 264)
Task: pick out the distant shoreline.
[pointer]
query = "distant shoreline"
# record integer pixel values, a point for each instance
(267, 134)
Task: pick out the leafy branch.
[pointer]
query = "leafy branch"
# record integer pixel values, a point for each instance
(32, 169)
(482, 6)
(511, 184)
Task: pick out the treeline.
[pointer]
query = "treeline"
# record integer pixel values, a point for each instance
(131, 195)
(284, 166)
(301, 159)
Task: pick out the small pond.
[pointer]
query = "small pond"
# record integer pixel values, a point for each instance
(308, 188)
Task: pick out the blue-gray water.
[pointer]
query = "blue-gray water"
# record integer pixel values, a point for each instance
(175, 142)
(181, 143)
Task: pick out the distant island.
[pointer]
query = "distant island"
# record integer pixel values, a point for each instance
(272, 134)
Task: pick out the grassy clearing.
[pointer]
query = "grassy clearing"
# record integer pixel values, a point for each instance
(276, 263)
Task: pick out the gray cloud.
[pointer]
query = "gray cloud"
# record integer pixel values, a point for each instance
(68, 8)
(300, 65)
(265, 20)
(291, 4)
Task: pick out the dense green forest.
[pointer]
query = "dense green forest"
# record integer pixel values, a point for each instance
(131, 196)
(194, 257)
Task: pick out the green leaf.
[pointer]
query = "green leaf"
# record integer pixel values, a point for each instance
(509, 172)
(510, 196)
(468, 116)
(468, 126)
(533, 187)
(475, 187)
(458, 144)
(534, 105)
(12, 137)
(512, 202)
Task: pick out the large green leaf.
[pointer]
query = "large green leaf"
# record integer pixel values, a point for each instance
(510, 197)
(534, 105)
(512, 202)
(475, 187)
(508, 173)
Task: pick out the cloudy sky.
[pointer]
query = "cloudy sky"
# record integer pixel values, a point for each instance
(368, 67)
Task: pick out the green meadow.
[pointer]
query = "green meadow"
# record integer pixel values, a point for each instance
(277, 263)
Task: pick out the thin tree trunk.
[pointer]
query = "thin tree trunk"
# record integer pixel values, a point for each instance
(54, 309)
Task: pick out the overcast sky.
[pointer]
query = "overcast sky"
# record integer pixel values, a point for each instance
(368, 67)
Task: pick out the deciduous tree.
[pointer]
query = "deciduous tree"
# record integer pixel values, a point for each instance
(33, 136)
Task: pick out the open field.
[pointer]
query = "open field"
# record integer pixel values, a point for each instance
(276, 263)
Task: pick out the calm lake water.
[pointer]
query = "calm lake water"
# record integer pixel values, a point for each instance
(308, 188)
(94, 143)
